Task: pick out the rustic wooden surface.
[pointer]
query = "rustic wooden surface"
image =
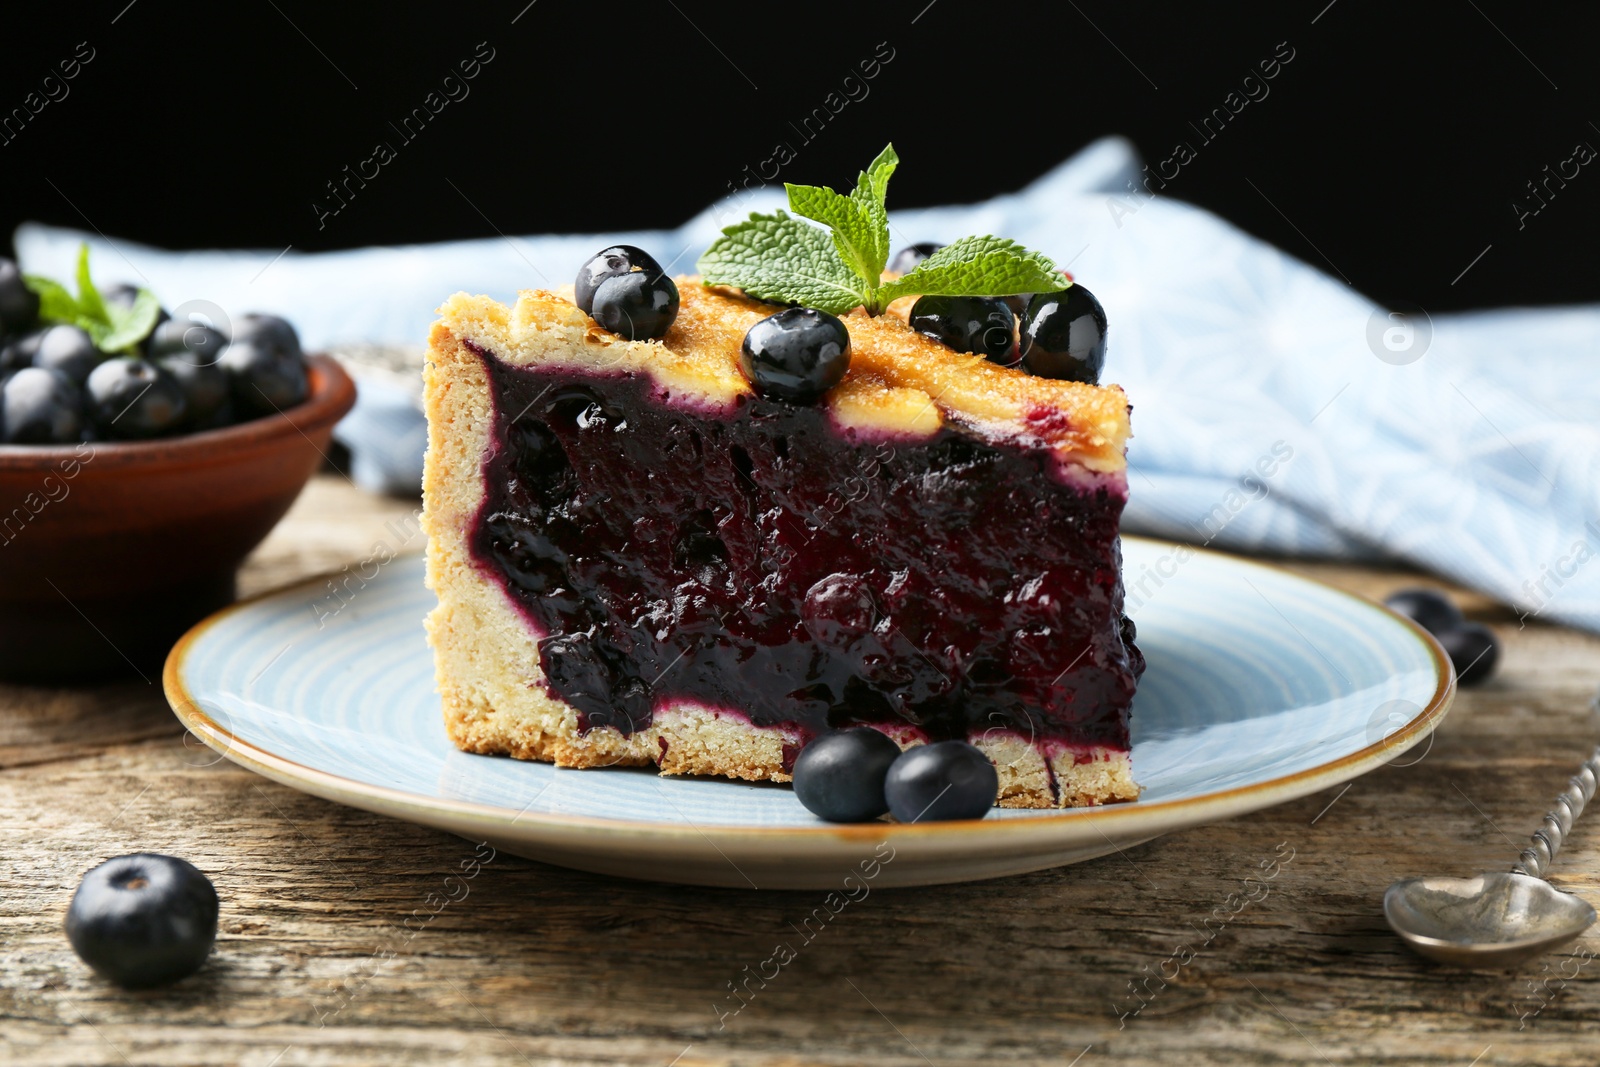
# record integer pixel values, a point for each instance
(543, 965)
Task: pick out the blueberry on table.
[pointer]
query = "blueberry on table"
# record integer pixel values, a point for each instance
(1473, 649)
(982, 325)
(143, 920)
(263, 377)
(613, 262)
(1064, 336)
(197, 343)
(40, 407)
(910, 257)
(1428, 608)
(68, 350)
(797, 354)
(640, 305)
(19, 305)
(130, 397)
(839, 776)
(946, 780)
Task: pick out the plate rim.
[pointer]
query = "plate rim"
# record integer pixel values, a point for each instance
(1172, 814)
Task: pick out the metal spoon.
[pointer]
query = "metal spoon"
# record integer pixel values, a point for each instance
(1499, 920)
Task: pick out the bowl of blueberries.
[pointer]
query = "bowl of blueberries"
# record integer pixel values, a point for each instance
(142, 457)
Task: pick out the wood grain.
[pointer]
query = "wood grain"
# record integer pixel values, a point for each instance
(314, 963)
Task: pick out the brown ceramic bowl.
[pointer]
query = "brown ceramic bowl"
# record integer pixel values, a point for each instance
(110, 551)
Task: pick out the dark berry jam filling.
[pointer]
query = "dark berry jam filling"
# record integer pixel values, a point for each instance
(761, 561)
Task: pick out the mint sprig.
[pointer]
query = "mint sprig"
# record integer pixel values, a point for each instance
(777, 257)
(112, 327)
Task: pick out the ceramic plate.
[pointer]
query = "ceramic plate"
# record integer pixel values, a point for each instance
(1262, 687)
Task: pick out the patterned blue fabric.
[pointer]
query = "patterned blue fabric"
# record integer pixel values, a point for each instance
(1275, 409)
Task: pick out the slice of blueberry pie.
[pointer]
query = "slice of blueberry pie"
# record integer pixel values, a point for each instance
(673, 523)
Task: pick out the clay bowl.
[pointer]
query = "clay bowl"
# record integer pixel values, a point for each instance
(109, 551)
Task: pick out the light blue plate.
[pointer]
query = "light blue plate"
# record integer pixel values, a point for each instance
(1262, 687)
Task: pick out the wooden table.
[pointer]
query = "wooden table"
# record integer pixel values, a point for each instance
(544, 965)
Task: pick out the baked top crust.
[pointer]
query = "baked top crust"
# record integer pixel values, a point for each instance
(900, 383)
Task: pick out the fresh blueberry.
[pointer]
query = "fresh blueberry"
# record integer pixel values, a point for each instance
(18, 352)
(40, 407)
(143, 920)
(980, 324)
(797, 354)
(271, 332)
(68, 350)
(1474, 650)
(613, 262)
(19, 305)
(1064, 336)
(946, 780)
(910, 257)
(839, 776)
(263, 377)
(204, 385)
(130, 397)
(123, 296)
(198, 343)
(640, 305)
(1428, 608)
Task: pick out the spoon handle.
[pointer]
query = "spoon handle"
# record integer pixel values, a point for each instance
(1536, 859)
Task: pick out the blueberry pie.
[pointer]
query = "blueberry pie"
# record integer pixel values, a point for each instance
(673, 540)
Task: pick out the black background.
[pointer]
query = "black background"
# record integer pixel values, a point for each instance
(1392, 147)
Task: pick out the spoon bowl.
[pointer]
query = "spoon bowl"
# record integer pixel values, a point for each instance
(1490, 921)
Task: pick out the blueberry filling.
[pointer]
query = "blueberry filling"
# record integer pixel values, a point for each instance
(762, 561)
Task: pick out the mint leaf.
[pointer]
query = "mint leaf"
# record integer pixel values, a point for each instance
(130, 325)
(859, 221)
(872, 190)
(776, 257)
(55, 303)
(89, 302)
(978, 266)
(852, 227)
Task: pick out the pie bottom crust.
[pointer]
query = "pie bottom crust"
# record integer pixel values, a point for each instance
(493, 692)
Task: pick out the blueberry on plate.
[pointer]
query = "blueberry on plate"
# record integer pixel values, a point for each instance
(1063, 336)
(264, 377)
(945, 780)
(797, 354)
(839, 776)
(982, 325)
(68, 350)
(19, 305)
(40, 407)
(1473, 649)
(143, 920)
(910, 257)
(130, 397)
(204, 385)
(198, 343)
(640, 305)
(612, 262)
(1428, 608)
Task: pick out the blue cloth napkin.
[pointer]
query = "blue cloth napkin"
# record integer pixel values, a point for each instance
(1275, 409)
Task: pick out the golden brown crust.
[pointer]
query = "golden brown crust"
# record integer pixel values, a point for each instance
(485, 651)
